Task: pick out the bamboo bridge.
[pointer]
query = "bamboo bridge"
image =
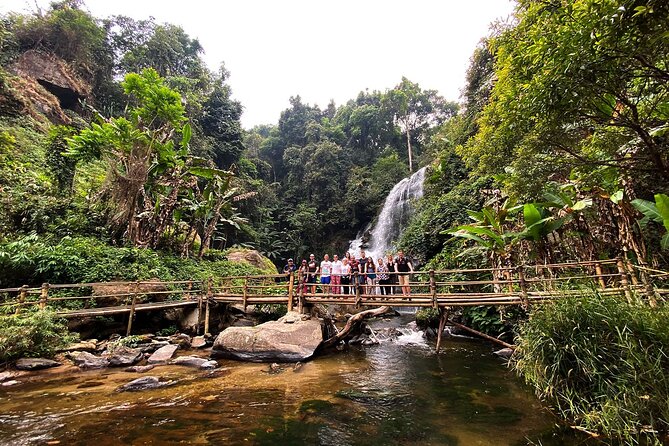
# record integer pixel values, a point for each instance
(444, 289)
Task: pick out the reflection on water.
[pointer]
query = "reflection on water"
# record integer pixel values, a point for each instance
(396, 393)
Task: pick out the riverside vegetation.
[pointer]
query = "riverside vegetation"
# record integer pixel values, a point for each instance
(558, 151)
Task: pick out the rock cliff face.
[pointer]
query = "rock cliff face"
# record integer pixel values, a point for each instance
(289, 339)
(42, 86)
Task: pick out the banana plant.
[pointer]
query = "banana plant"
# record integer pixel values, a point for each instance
(488, 229)
(657, 212)
(538, 222)
(565, 199)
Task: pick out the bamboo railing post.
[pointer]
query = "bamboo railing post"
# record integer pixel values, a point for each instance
(210, 294)
(245, 291)
(598, 272)
(300, 300)
(132, 308)
(189, 287)
(358, 299)
(23, 293)
(291, 279)
(443, 317)
(44, 296)
(199, 308)
(523, 286)
(624, 282)
(630, 271)
(433, 290)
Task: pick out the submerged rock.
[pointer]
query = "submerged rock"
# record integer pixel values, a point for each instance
(140, 368)
(505, 353)
(189, 361)
(289, 339)
(87, 360)
(209, 365)
(36, 363)
(163, 354)
(144, 383)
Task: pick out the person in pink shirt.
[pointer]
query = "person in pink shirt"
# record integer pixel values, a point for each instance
(335, 274)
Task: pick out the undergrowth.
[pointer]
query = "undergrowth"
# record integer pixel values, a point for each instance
(601, 363)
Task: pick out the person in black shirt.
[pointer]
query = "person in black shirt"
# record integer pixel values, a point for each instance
(403, 268)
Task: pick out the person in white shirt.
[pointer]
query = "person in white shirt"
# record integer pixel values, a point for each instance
(326, 269)
(335, 280)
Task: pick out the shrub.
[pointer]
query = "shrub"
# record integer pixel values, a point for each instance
(40, 333)
(427, 317)
(600, 362)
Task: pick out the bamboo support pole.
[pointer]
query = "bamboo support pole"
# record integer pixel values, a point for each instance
(523, 287)
(245, 292)
(44, 296)
(624, 282)
(433, 290)
(600, 275)
(300, 297)
(291, 280)
(483, 335)
(443, 317)
(22, 298)
(210, 285)
(132, 309)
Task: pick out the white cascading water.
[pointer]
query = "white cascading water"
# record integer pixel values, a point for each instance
(392, 219)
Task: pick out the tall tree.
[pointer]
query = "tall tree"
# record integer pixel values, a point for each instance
(415, 109)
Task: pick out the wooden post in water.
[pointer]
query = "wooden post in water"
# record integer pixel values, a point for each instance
(624, 282)
(433, 290)
(291, 279)
(23, 292)
(245, 291)
(443, 317)
(210, 294)
(44, 296)
(132, 308)
(598, 272)
(523, 287)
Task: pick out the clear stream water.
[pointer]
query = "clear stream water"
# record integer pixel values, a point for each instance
(396, 393)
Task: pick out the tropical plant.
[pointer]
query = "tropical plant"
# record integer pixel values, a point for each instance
(657, 212)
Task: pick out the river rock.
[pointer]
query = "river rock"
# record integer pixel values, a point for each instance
(4, 376)
(163, 354)
(181, 339)
(124, 356)
(9, 383)
(140, 368)
(189, 361)
(143, 383)
(209, 365)
(504, 353)
(83, 346)
(289, 339)
(87, 360)
(36, 363)
(198, 342)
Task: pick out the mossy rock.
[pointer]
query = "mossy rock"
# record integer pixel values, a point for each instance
(253, 258)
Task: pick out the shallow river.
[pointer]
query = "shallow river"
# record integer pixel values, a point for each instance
(399, 392)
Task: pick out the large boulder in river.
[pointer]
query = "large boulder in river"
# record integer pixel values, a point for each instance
(35, 363)
(289, 339)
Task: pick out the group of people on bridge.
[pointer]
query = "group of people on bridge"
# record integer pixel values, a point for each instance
(350, 273)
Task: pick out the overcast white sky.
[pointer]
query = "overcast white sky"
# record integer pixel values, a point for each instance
(317, 49)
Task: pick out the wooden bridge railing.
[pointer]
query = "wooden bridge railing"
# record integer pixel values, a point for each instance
(438, 289)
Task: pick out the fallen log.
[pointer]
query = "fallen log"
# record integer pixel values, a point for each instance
(483, 335)
(353, 323)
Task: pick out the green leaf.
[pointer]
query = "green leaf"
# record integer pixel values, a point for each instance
(662, 205)
(208, 173)
(531, 214)
(617, 196)
(665, 241)
(648, 209)
(186, 134)
(582, 204)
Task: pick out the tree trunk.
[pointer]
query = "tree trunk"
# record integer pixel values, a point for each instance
(410, 151)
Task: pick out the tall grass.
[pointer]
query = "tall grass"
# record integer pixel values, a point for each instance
(601, 363)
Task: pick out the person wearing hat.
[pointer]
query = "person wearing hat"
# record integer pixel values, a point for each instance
(290, 267)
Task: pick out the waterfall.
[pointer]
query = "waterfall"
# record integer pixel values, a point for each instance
(399, 206)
